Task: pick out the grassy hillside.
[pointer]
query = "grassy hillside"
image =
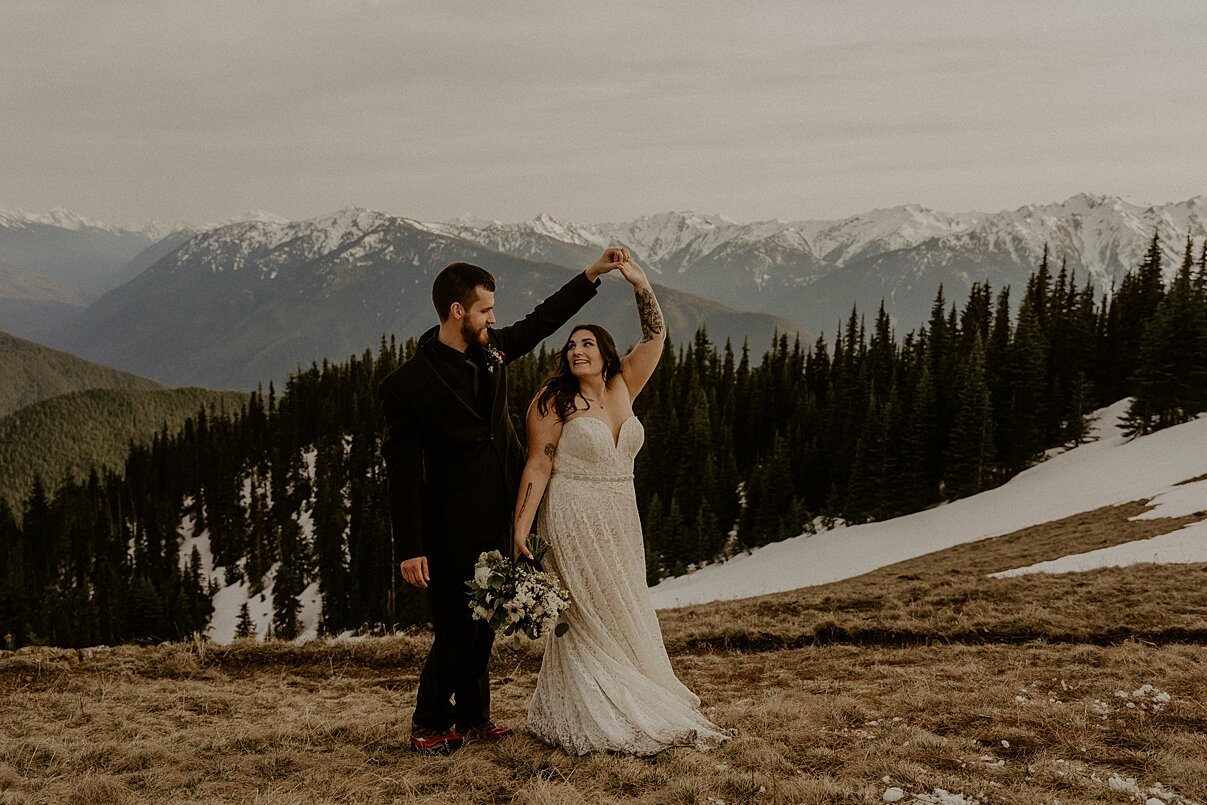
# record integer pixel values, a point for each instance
(71, 433)
(34, 372)
(922, 676)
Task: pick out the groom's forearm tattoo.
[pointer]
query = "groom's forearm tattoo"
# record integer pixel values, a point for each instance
(651, 315)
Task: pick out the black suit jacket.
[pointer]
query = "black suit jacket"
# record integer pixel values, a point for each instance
(453, 472)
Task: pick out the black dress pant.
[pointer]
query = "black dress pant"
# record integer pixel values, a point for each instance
(454, 686)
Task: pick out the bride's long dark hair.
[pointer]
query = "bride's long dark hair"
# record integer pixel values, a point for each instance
(561, 386)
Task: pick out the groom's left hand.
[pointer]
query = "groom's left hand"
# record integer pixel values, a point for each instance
(415, 571)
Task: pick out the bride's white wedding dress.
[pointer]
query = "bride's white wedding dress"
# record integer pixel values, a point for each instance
(607, 684)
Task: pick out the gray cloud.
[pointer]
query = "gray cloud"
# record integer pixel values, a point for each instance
(130, 110)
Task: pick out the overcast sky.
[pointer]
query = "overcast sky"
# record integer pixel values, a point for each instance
(595, 111)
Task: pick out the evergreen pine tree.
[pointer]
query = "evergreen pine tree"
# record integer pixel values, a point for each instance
(652, 532)
(245, 628)
(285, 605)
(1131, 309)
(970, 459)
(330, 542)
(198, 604)
(675, 547)
(1026, 383)
(147, 616)
(14, 611)
(1171, 374)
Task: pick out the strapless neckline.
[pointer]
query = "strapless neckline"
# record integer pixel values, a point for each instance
(619, 432)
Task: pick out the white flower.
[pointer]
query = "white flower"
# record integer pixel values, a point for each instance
(530, 601)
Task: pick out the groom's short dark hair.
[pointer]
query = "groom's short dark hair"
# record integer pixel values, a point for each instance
(459, 282)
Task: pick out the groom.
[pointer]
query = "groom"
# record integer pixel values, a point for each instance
(453, 461)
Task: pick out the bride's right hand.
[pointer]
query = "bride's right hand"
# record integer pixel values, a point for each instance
(520, 547)
(634, 273)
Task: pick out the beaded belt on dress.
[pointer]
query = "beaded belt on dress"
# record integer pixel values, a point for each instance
(579, 476)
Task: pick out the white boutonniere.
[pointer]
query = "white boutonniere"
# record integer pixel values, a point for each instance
(494, 356)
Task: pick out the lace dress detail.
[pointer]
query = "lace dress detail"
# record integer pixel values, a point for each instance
(607, 684)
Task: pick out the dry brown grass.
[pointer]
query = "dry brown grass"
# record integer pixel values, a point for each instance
(946, 597)
(1003, 690)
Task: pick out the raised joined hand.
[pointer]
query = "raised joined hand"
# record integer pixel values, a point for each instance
(610, 260)
(634, 273)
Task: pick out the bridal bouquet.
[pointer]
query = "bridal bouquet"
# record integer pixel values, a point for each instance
(517, 599)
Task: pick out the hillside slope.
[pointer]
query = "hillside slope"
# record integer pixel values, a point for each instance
(70, 433)
(34, 372)
(1106, 472)
(70, 251)
(30, 304)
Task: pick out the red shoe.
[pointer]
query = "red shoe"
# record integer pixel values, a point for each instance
(435, 742)
(486, 732)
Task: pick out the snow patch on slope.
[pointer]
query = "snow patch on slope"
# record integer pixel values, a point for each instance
(1108, 471)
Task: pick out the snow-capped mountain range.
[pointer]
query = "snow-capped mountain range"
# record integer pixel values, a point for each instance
(351, 233)
(53, 264)
(154, 230)
(1103, 233)
(243, 304)
(63, 219)
(813, 271)
(675, 241)
(804, 275)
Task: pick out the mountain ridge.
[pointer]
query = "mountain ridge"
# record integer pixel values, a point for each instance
(774, 265)
(81, 255)
(247, 303)
(806, 274)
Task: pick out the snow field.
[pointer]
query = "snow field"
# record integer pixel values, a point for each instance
(1106, 471)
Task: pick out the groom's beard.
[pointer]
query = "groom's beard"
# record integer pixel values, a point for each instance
(473, 335)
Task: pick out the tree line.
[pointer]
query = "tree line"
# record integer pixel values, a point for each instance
(869, 426)
(740, 453)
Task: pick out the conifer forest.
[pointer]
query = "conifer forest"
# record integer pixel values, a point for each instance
(746, 445)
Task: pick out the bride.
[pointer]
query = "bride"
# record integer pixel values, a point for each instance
(606, 684)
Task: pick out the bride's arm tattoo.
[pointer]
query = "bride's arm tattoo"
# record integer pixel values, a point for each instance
(550, 451)
(527, 493)
(651, 315)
